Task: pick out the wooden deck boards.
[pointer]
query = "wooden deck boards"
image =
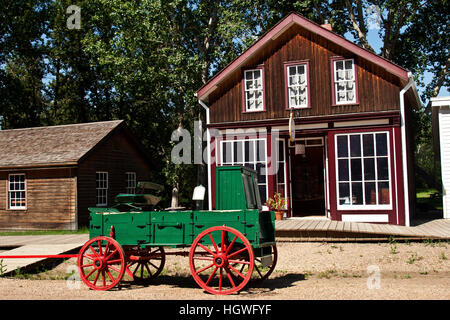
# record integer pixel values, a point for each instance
(322, 229)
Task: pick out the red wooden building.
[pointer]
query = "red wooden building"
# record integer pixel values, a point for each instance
(323, 121)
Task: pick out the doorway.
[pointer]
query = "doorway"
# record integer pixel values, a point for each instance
(308, 184)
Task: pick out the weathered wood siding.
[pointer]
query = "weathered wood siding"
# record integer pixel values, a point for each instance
(50, 196)
(378, 90)
(116, 156)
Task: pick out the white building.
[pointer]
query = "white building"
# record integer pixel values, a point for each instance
(441, 128)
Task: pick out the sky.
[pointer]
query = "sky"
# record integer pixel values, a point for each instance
(376, 42)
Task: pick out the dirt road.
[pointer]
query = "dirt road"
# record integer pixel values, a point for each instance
(314, 271)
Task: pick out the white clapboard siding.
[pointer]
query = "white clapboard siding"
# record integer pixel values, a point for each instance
(444, 133)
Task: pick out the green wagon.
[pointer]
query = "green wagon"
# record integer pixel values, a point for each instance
(229, 247)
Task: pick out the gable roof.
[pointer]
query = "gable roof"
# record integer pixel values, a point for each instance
(311, 26)
(52, 146)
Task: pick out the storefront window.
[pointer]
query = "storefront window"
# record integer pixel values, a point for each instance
(363, 171)
(250, 153)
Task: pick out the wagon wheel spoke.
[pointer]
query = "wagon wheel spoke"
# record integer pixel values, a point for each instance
(257, 270)
(148, 269)
(203, 258)
(103, 279)
(214, 244)
(205, 268)
(206, 249)
(240, 262)
(211, 276)
(230, 277)
(231, 245)
(95, 254)
(220, 279)
(239, 274)
(150, 263)
(237, 252)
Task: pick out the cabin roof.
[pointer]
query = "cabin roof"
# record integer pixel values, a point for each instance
(52, 146)
(311, 26)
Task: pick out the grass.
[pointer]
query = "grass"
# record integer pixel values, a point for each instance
(425, 202)
(43, 232)
(414, 257)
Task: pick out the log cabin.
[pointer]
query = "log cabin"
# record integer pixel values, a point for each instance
(49, 176)
(324, 122)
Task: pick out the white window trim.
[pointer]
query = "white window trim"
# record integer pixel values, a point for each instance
(284, 163)
(106, 189)
(302, 106)
(248, 90)
(10, 207)
(364, 206)
(232, 163)
(306, 142)
(128, 188)
(335, 82)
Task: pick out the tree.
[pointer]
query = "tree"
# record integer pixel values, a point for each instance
(22, 25)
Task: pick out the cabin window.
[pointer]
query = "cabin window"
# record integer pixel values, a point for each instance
(131, 182)
(253, 90)
(297, 85)
(363, 171)
(102, 188)
(344, 78)
(250, 153)
(17, 191)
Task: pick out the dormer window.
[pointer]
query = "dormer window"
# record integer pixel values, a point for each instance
(297, 80)
(344, 81)
(254, 90)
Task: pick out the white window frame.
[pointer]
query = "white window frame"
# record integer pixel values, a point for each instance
(254, 89)
(336, 158)
(283, 164)
(131, 182)
(102, 186)
(336, 82)
(297, 86)
(10, 192)
(243, 163)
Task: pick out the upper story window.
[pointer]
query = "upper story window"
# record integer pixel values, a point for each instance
(253, 90)
(344, 81)
(17, 191)
(297, 85)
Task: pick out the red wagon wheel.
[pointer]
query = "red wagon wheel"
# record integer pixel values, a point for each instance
(101, 263)
(145, 264)
(225, 267)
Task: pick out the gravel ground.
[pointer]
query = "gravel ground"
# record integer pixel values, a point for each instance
(317, 271)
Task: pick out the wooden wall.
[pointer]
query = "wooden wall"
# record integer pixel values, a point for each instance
(51, 200)
(378, 90)
(116, 156)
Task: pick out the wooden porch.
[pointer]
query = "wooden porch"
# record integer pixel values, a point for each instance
(322, 229)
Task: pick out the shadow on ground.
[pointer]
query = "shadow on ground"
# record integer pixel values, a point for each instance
(186, 281)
